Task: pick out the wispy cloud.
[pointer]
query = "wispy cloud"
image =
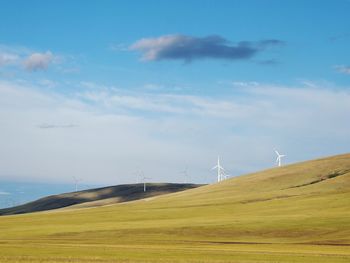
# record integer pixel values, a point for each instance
(48, 83)
(8, 59)
(339, 37)
(343, 69)
(248, 84)
(269, 62)
(4, 193)
(188, 48)
(121, 129)
(118, 47)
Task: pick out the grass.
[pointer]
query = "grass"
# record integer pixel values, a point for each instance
(296, 213)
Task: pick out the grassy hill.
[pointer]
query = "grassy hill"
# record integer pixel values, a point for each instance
(296, 213)
(97, 197)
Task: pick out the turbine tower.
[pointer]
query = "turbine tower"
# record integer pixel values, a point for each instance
(144, 183)
(143, 180)
(279, 158)
(76, 182)
(220, 171)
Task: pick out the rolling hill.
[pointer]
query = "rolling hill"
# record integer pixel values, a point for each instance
(97, 197)
(295, 213)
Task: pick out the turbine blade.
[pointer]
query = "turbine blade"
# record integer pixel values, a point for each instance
(215, 167)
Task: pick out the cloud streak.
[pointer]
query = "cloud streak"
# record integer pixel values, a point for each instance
(8, 59)
(343, 69)
(188, 48)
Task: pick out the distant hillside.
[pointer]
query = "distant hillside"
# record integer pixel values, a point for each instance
(296, 213)
(97, 197)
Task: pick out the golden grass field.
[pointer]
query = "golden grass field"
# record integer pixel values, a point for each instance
(296, 213)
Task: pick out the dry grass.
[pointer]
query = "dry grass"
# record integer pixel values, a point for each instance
(296, 213)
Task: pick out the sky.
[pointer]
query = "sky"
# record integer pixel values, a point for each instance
(105, 90)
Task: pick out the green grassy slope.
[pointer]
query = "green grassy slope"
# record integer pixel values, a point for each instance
(98, 197)
(295, 213)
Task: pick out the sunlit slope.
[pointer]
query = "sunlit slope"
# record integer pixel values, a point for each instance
(291, 209)
(98, 197)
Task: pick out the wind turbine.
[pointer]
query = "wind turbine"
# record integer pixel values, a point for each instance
(220, 171)
(279, 157)
(185, 173)
(143, 179)
(76, 181)
(139, 175)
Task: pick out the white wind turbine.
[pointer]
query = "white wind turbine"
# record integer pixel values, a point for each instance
(76, 182)
(185, 173)
(279, 158)
(220, 171)
(143, 179)
(139, 175)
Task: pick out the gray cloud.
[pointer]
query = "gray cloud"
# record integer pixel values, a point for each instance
(270, 62)
(38, 61)
(54, 126)
(188, 48)
(339, 37)
(27, 59)
(343, 69)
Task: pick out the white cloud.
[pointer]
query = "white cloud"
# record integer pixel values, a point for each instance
(38, 61)
(8, 59)
(120, 132)
(4, 193)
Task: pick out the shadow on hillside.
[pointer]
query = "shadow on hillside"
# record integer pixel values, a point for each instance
(123, 193)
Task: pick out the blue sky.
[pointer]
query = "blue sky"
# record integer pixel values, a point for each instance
(87, 32)
(103, 89)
